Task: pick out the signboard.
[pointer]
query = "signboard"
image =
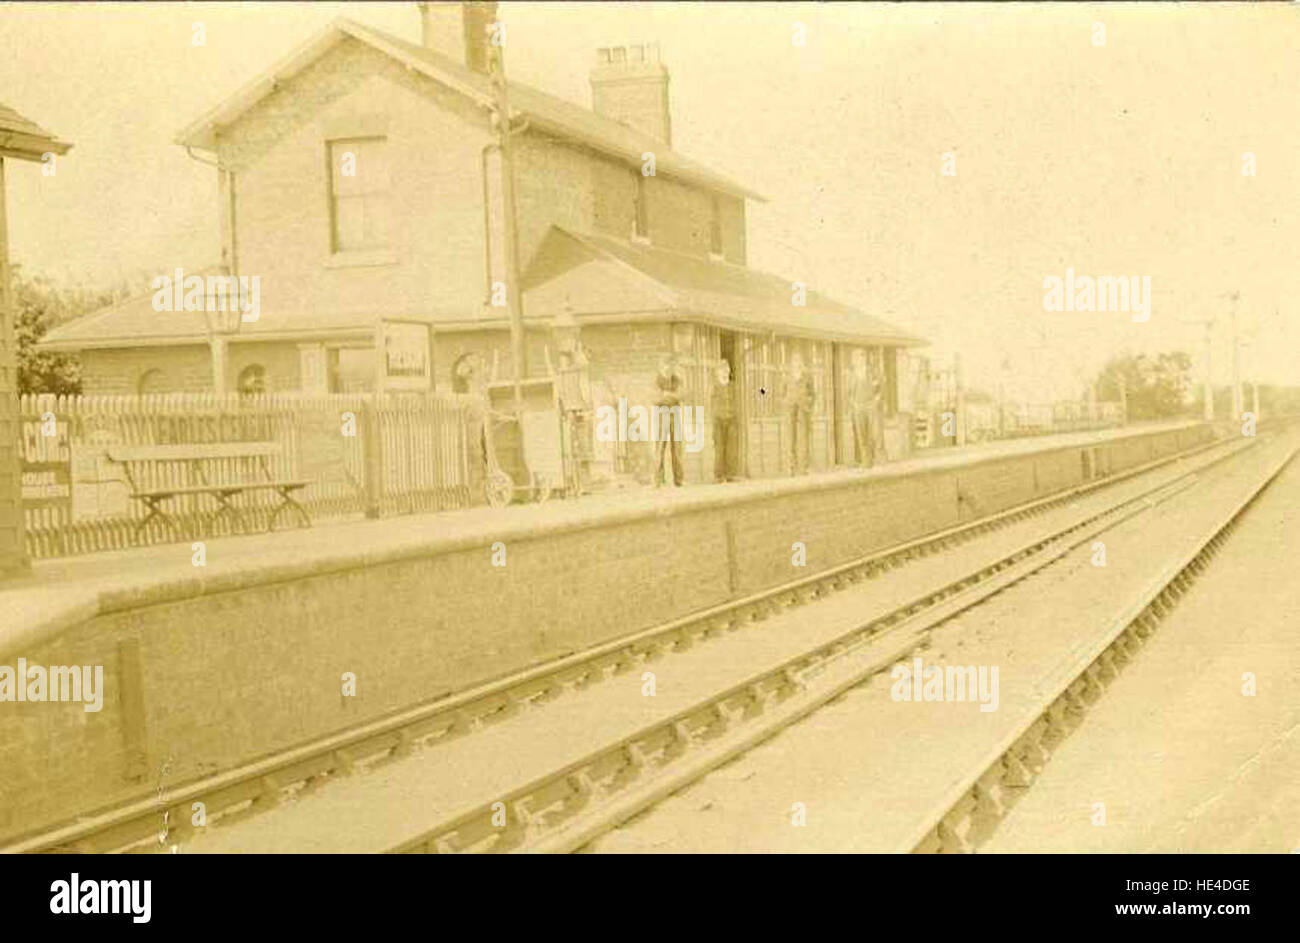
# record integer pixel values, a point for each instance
(46, 464)
(405, 355)
(47, 484)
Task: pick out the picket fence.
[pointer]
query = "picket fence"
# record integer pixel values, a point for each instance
(364, 454)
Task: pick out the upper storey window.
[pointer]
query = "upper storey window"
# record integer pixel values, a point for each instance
(360, 201)
(641, 221)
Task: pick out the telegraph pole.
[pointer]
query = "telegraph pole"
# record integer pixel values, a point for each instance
(1238, 401)
(1208, 408)
(510, 236)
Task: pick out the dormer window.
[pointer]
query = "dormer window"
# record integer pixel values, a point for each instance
(641, 220)
(360, 202)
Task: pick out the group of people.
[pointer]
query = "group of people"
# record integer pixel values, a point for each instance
(800, 397)
(670, 388)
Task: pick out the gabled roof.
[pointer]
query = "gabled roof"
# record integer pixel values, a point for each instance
(595, 276)
(24, 139)
(133, 322)
(546, 113)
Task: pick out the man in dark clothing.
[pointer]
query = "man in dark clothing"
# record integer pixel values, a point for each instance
(668, 404)
(723, 409)
(799, 402)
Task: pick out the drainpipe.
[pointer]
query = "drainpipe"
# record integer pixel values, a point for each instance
(218, 344)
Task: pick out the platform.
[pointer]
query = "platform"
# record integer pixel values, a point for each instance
(209, 667)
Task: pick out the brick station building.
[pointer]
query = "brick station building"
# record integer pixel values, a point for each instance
(641, 264)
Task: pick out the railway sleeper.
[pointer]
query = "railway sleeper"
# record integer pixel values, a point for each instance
(1094, 682)
(988, 793)
(954, 828)
(1015, 772)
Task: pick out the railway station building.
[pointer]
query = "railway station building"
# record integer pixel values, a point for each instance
(359, 183)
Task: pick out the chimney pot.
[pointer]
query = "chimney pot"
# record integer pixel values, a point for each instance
(629, 84)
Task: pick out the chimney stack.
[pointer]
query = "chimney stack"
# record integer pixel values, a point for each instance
(630, 85)
(459, 30)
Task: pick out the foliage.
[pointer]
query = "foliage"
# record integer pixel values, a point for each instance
(1156, 387)
(41, 306)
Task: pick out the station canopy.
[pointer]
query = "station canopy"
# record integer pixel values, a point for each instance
(598, 278)
(25, 140)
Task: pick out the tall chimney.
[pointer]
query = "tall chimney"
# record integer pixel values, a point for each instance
(630, 85)
(459, 30)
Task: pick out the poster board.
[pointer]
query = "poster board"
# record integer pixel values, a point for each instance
(405, 355)
(46, 465)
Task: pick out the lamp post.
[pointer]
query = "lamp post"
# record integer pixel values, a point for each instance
(1237, 399)
(222, 325)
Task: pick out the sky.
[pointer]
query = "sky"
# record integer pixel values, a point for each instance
(1122, 159)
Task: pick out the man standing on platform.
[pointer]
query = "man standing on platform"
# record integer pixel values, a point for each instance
(723, 408)
(799, 403)
(862, 402)
(574, 392)
(668, 406)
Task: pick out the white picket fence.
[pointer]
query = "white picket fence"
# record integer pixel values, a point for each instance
(362, 453)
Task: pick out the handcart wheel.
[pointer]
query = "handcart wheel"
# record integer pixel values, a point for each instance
(499, 488)
(541, 487)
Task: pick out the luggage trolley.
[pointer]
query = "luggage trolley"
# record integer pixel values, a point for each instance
(525, 452)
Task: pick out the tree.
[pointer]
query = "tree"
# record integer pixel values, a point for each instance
(1156, 387)
(40, 306)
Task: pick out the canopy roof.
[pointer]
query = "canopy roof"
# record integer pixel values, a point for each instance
(24, 139)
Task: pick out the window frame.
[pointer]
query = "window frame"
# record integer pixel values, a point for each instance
(333, 146)
(641, 208)
(716, 246)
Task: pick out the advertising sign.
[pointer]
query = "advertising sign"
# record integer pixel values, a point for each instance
(406, 355)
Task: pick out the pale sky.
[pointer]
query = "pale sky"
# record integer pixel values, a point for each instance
(1122, 159)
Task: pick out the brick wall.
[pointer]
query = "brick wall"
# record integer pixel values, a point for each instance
(281, 362)
(184, 369)
(119, 371)
(238, 673)
(282, 185)
(580, 189)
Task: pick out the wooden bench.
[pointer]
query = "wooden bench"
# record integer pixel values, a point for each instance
(156, 498)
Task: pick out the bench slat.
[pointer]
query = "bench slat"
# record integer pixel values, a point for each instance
(189, 453)
(212, 489)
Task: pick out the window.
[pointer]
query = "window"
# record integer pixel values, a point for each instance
(360, 205)
(351, 369)
(151, 381)
(251, 380)
(641, 223)
(715, 228)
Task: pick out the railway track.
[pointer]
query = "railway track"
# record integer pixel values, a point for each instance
(617, 779)
(978, 800)
(568, 809)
